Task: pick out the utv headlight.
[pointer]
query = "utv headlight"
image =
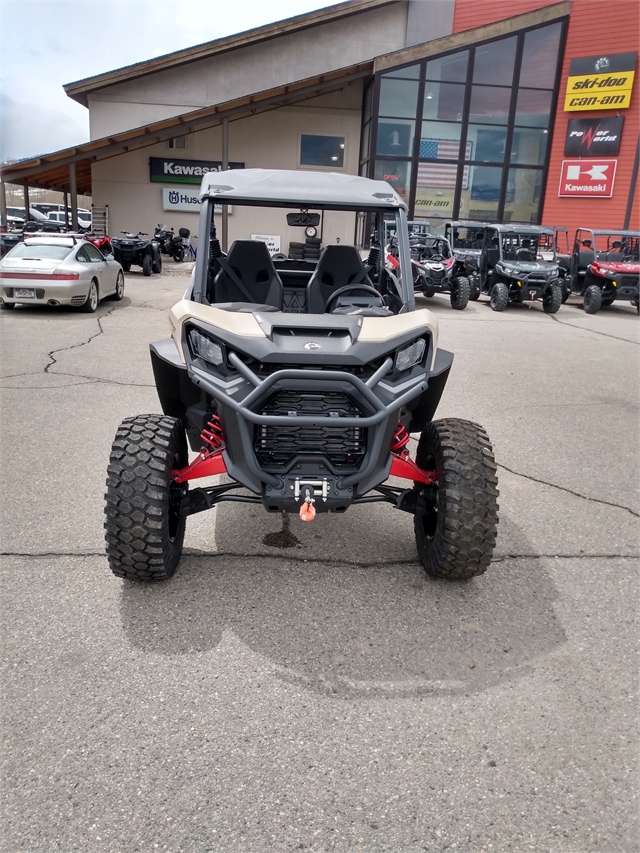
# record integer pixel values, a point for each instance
(406, 358)
(205, 348)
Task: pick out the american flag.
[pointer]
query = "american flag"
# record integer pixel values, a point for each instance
(441, 174)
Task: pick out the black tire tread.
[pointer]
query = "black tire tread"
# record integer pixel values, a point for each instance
(466, 530)
(145, 450)
(499, 296)
(460, 291)
(552, 300)
(592, 299)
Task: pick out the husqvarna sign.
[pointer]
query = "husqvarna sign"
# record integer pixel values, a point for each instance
(173, 171)
(185, 201)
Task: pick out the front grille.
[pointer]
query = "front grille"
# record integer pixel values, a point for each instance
(436, 275)
(629, 281)
(344, 447)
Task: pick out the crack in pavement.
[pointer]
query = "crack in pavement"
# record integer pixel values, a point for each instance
(569, 491)
(91, 380)
(76, 346)
(291, 558)
(595, 331)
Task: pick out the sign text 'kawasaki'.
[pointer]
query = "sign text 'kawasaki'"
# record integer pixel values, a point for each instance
(184, 171)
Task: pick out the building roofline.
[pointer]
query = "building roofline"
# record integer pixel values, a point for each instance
(80, 89)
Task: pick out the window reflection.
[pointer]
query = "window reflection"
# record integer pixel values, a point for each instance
(451, 68)
(529, 146)
(480, 200)
(490, 104)
(534, 107)
(486, 143)
(524, 188)
(411, 72)
(494, 62)
(398, 98)
(540, 57)
(444, 101)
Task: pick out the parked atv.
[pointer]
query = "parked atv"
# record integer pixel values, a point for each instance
(513, 269)
(305, 413)
(605, 267)
(467, 238)
(135, 250)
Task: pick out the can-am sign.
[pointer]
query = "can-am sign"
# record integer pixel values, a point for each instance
(587, 177)
(600, 82)
(593, 136)
(184, 171)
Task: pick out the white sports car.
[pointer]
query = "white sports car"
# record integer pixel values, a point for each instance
(51, 269)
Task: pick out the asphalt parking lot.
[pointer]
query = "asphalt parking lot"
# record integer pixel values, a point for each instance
(328, 696)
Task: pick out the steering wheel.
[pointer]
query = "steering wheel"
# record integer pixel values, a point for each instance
(366, 288)
(436, 257)
(630, 259)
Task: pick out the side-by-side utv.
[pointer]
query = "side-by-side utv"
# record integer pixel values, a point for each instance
(301, 381)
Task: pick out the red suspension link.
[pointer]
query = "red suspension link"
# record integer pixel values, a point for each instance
(402, 465)
(400, 438)
(209, 461)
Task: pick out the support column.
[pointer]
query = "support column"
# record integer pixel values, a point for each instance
(3, 205)
(25, 189)
(66, 207)
(225, 166)
(73, 191)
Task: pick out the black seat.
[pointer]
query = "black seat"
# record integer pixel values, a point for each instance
(247, 274)
(338, 266)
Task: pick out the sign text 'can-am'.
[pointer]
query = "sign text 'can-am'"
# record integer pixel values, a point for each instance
(170, 170)
(593, 136)
(587, 177)
(600, 82)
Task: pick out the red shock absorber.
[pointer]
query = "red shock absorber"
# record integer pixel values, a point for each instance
(212, 435)
(400, 439)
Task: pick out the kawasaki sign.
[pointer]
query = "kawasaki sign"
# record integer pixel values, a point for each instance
(184, 171)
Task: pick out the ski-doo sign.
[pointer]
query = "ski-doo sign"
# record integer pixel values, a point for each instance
(587, 177)
(600, 82)
(593, 136)
(184, 171)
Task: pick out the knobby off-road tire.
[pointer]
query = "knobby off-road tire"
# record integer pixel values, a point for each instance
(156, 266)
(592, 299)
(499, 297)
(456, 537)
(147, 264)
(474, 289)
(552, 299)
(460, 293)
(143, 531)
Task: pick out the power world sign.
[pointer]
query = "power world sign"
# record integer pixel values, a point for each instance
(587, 177)
(593, 136)
(600, 82)
(174, 171)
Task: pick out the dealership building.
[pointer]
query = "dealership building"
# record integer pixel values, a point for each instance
(501, 111)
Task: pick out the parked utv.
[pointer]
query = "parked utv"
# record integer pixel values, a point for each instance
(605, 267)
(433, 265)
(135, 250)
(513, 268)
(466, 238)
(560, 244)
(306, 412)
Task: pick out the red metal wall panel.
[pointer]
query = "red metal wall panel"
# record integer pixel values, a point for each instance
(597, 30)
(475, 13)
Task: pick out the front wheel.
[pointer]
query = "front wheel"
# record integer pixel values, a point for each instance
(147, 264)
(178, 254)
(126, 266)
(460, 293)
(456, 531)
(156, 265)
(499, 296)
(592, 299)
(91, 303)
(474, 288)
(552, 299)
(119, 294)
(144, 530)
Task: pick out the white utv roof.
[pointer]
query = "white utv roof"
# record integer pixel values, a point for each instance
(299, 189)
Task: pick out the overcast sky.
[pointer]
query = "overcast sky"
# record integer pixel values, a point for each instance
(47, 43)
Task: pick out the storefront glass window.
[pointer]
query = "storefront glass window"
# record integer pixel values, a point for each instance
(452, 68)
(410, 72)
(397, 173)
(490, 104)
(540, 57)
(322, 150)
(479, 199)
(533, 108)
(395, 137)
(529, 146)
(440, 140)
(494, 62)
(522, 201)
(486, 143)
(443, 101)
(398, 98)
